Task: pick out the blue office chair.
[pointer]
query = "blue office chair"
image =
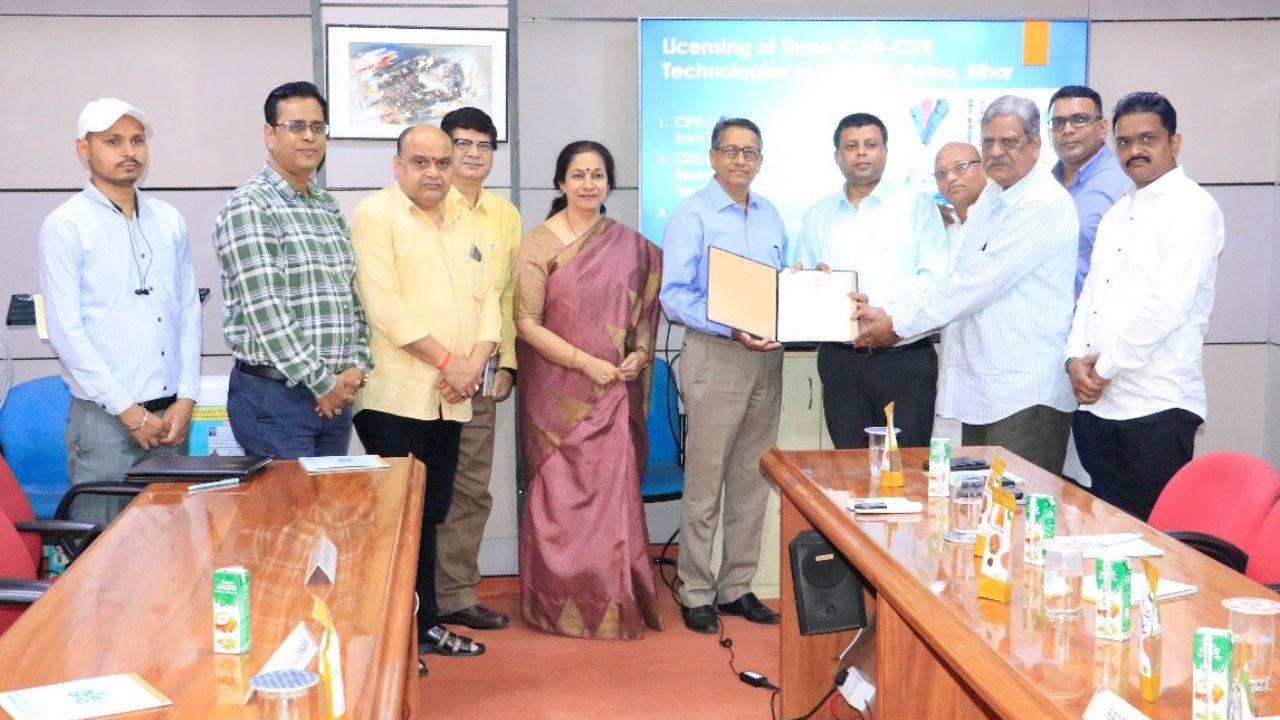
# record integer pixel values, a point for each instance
(663, 478)
(33, 427)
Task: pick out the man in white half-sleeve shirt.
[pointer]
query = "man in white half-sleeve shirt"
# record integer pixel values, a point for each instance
(1136, 345)
(123, 310)
(1010, 297)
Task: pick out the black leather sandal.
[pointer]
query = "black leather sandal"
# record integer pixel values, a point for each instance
(440, 641)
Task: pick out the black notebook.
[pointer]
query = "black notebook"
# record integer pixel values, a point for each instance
(195, 467)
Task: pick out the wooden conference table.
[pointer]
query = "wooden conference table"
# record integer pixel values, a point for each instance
(140, 598)
(943, 653)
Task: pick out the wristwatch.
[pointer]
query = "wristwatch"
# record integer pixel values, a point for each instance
(364, 376)
(1067, 365)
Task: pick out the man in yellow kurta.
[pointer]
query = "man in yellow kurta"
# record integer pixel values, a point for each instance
(474, 139)
(424, 277)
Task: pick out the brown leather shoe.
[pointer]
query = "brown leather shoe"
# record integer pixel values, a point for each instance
(477, 617)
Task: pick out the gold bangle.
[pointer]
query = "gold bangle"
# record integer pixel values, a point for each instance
(573, 360)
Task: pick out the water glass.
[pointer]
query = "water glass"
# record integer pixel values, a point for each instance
(966, 509)
(877, 441)
(1063, 581)
(1253, 626)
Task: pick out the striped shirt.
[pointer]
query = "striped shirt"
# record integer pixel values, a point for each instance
(287, 272)
(1010, 297)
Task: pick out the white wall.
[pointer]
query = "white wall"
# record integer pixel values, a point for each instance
(201, 69)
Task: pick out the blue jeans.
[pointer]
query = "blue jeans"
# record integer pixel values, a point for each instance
(272, 419)
(99, 449)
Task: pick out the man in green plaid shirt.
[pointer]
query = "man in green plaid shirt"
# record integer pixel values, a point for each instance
(291, 318)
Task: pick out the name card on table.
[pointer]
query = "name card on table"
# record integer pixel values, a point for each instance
(322, 566)
(83, 699)
(1107, 705)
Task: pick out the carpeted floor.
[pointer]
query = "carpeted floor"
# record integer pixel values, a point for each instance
(527, 674)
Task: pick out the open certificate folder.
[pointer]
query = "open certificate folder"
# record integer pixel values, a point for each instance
(804, 306)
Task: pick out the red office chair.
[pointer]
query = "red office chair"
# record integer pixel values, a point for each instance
(18, 584)
(14, 503)
(1216, 503)
(1264, 551)
(71, 535)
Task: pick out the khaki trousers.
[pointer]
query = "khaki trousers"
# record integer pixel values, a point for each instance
(458, 539)
(732, 396)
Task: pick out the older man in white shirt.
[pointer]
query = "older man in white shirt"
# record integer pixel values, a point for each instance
(1135, 351)
(123, 310)
(894, 239)
(1010, 297)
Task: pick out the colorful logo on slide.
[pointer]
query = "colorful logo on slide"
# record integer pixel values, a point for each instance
(927, 116)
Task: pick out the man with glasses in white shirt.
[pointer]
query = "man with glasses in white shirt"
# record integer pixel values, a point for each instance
(895, 240)
(1009, 296)
(957, 169)
(1135, 352)
(122, 307)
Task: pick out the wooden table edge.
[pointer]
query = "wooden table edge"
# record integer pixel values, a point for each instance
(1006, 691)
(398, 645)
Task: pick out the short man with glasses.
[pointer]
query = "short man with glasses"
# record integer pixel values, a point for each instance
(123, 311)
(895, 240)
(1135, 352)
(291, 318)
(957, 169)
(474, 138)
(732, 381)
(1086, 167)
(1009, 296)
(424, 277)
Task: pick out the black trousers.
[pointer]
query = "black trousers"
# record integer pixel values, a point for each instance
(435, 443)
(857, 386)
(1130, 461)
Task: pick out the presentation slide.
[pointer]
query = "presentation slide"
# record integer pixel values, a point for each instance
(929, 81)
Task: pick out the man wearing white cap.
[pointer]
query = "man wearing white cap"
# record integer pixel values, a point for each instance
(123, 309)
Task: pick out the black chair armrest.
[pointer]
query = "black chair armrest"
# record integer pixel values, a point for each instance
(1215, 547)
(59, 527)
(19, 591)
(115, 489)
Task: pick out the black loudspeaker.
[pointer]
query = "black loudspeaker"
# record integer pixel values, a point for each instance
(828, 589)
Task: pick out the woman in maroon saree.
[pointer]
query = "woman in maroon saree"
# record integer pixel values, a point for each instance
(586, 313)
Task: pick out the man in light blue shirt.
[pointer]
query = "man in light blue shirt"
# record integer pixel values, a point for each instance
(895, 240)
(731, 382)
(123, 310)
(1086, 166)
(1009, 299)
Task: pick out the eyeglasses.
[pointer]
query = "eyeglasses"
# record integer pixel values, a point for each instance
(463, 145)
(958, 168)
(1077, 120)
(731, 152)
(300, 127)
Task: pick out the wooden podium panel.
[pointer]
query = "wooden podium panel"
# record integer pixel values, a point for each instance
(941, 652)
(140, 599)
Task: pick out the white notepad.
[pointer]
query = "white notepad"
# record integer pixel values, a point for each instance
(83, 699)
(1166, 589)
(342, 463)
(1125, 544)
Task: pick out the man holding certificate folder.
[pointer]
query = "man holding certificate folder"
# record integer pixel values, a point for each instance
(1009, 299)
(732, 382)
(895, 240)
